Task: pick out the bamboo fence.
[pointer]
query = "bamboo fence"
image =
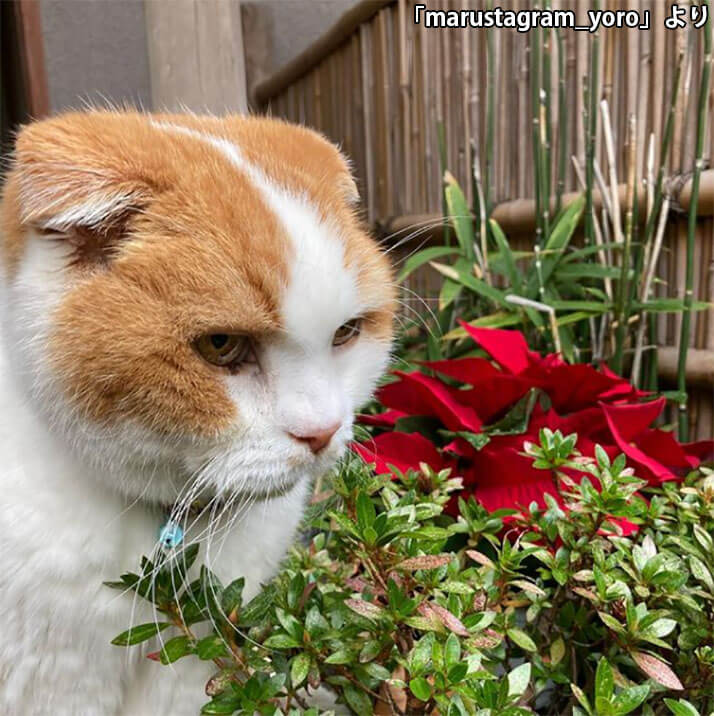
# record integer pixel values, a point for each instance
(379, 85)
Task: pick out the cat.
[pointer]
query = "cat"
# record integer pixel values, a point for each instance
(191, 308)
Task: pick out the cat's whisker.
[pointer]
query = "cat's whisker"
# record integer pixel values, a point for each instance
(409, 231)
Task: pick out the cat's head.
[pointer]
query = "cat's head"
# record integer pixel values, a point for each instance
(191, 294)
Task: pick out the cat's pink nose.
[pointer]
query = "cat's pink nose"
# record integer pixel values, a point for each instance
(319, 439)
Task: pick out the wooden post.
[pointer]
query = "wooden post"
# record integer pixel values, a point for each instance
(196, 56)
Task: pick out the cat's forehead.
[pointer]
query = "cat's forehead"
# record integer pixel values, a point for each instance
(282, 226)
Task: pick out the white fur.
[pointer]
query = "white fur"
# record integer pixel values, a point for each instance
(79, 501)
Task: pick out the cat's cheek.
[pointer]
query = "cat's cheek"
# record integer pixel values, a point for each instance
(361, 366)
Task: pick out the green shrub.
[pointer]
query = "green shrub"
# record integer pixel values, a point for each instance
(399, 608)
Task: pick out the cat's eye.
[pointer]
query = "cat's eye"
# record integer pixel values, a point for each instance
(227, 350)
(347, 332)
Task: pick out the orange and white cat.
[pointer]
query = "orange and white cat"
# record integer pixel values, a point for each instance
(190, 307)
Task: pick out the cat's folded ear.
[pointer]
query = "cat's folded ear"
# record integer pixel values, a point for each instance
(82, 175)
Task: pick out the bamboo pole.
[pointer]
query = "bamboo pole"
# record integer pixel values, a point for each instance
(490, 118)
(562, 124)
(702, 110)
(405, 97)
(591, 133)
(535, 73)
(546, 121)
(646, 287)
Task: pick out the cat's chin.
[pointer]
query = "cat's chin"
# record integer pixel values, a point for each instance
(288, 480)
(277, 489)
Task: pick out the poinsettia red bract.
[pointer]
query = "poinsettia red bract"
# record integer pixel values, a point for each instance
(471, 396)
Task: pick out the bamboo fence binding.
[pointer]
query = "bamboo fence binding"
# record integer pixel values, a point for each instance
(388, 91)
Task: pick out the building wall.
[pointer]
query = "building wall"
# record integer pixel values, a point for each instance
(95, 51)
(294, 24)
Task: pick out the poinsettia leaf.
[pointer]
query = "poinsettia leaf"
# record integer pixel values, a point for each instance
(476, 440)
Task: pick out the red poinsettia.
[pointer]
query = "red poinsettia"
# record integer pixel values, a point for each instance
(600, 406)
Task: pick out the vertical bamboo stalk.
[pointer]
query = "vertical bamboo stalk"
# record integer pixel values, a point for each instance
(490, 117)
(522, 113)
(623, 290)
(562, 124)
(536, 66)
(646, 287)
(702, 107)
(467, 80)
(581, 69)
(367, 85)
(546, 127)
(404, 91)
(591, 132)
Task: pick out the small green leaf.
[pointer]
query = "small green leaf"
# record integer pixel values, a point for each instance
(581, 697)
(611, 623)
(662, 627)
(341, 656)
(357, 700)
(174, 649)
(518, 636)
(222, 705)
(557, 651)
(452, 650)
(366, 513)
(232, 596)
(681, 707)
(518, 680)
(604, 681)
(281, 641)
(460, 216)
(420, 688)
(420, 654)
(212, 647)
(630, 699)
(139, 633)
(514, 275)
(299, 669)
(457, 672)
(700, 572)
(423, 257)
